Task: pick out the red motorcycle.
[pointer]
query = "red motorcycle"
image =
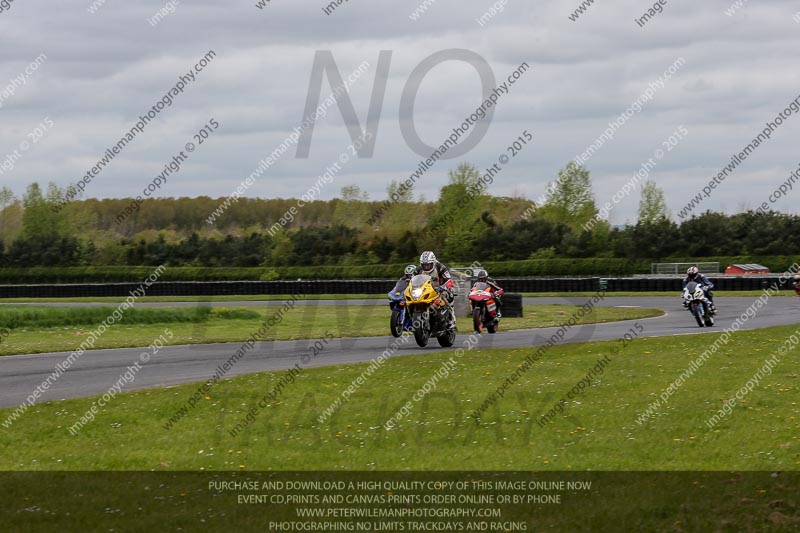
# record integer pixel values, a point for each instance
(484, 307)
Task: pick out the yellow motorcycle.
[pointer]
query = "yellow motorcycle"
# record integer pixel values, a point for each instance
(430, 313)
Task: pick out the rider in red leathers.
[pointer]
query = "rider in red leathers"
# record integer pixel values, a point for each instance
(483, 276)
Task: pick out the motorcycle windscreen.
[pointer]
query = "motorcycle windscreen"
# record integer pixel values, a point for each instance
(401, 286)
(481, 286)
(691, 287)
(419, 280)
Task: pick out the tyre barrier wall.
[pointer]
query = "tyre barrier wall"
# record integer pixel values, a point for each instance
(550, 284)
(512, 305)
(231, 288)
(199, 288)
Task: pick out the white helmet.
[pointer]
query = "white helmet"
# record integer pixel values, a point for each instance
(427, 261)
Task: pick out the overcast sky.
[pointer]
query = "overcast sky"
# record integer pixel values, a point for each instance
(104, 69)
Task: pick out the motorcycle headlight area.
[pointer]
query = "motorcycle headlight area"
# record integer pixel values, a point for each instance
(416, 293)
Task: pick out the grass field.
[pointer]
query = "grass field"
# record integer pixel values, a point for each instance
(236, 324)
(597, 431)
(20, 317)
(50, 475)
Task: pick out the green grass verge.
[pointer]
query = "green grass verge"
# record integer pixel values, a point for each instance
(304, 322)
(597, 431)
(13, 318)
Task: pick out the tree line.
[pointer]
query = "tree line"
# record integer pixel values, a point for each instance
(352, 230)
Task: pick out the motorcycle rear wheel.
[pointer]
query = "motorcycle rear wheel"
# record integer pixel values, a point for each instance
(446, 340)
(709, 319)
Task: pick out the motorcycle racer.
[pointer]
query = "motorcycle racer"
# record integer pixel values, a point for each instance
(402, 283)
(400, 320)
(408, 272)
(482, 275)
(439, 273)
(693, 274)
(441, 279)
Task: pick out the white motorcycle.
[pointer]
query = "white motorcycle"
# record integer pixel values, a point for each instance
(695, 300)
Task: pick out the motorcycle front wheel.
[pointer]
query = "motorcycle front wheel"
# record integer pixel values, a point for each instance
(477, 323)
(396, 322)
(422, 329)
(697, 317)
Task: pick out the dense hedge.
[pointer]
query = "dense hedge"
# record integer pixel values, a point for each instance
(537, 267)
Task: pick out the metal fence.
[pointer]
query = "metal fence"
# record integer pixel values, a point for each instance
(461, 278)
(680, 268)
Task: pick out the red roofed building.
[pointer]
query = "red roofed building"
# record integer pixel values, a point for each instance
(750, 268)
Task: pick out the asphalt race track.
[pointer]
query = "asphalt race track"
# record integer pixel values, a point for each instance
(96, 370)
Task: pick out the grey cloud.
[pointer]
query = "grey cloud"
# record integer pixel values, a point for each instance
(107, 68)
